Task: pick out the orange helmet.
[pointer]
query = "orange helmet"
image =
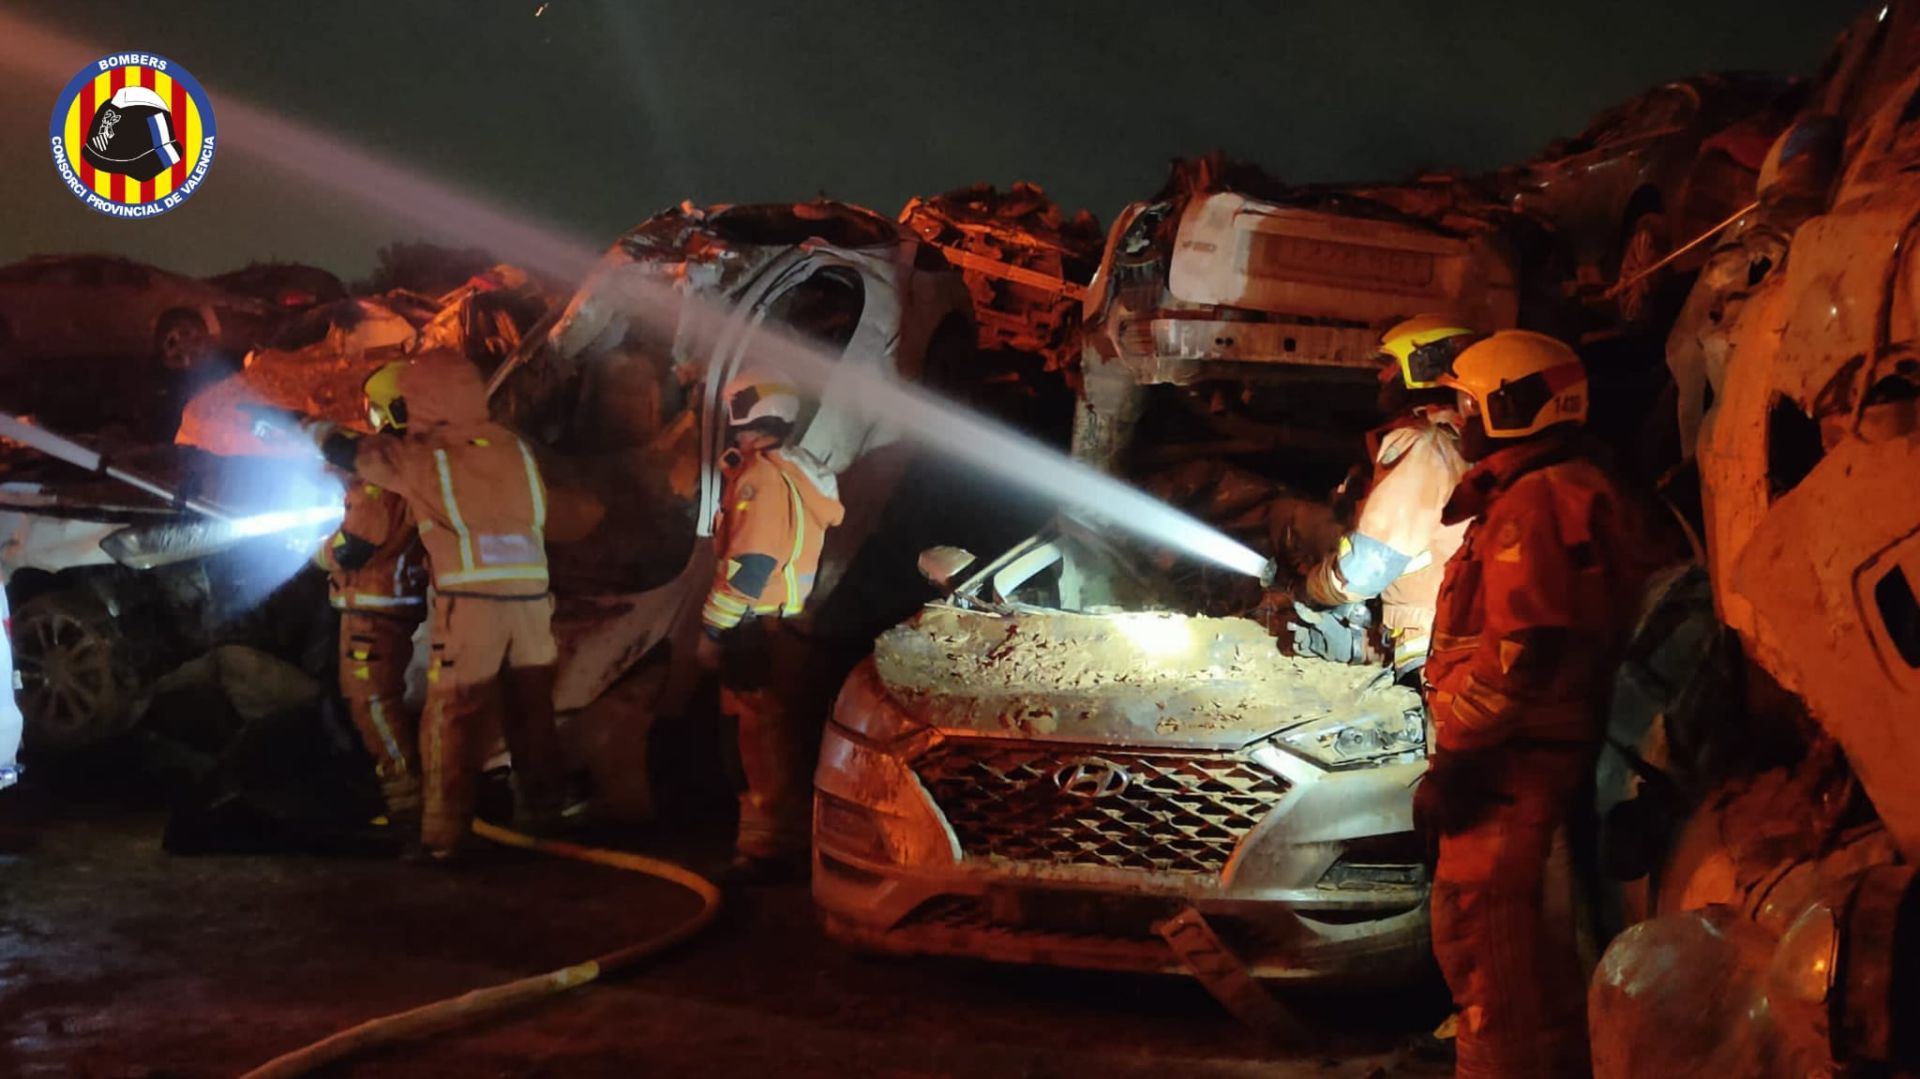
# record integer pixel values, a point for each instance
(1520, 382)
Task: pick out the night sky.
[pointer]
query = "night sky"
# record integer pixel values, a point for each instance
(600, 112)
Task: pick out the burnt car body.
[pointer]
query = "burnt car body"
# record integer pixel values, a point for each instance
(318, 361)
(1230, 280)
(1015, 779)
(1787, 883)
(94, 307)
(1652, 173)
(626, 409)
(1025, 263)
(1226, 266)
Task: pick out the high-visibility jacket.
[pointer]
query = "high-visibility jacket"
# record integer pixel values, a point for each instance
(374, 561)
(472, 485)
(775, 510)
(1538, 602)
(1399, 547)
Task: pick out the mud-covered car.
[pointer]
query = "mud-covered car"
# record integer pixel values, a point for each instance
(1042, 768)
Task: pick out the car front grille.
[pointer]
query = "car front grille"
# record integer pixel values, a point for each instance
(1063, 805)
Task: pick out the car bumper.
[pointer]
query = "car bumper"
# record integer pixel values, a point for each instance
(890, 876)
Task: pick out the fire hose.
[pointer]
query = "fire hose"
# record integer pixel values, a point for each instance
(479, 1004)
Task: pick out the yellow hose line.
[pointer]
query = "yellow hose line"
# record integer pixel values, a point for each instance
(492, 1000)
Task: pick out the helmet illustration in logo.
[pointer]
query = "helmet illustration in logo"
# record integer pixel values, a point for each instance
(132, 133)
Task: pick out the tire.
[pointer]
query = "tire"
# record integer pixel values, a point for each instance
(78, 685)
(1646, 242)
(181, 342)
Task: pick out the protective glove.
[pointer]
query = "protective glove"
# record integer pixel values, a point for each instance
(1335, 633)
(1460, 790)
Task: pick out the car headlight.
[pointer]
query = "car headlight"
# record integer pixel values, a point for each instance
(1340, 740)
(866, 708)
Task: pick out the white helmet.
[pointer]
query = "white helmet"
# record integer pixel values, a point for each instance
(755, 396)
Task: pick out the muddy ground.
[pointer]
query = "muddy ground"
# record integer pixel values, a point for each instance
(118, 960)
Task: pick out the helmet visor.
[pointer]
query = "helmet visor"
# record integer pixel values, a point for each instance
(1517, 405)
(1425, 364)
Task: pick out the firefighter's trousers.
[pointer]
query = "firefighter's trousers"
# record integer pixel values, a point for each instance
(1503, 927)
(374, 652)
(757, 676)
(492, 664)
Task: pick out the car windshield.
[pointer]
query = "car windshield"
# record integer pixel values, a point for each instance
(1076, 567)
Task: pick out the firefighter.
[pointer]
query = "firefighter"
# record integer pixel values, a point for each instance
(1398, 548)
(476, 494)
(1532, 618)
(775, 509)
(377, 580)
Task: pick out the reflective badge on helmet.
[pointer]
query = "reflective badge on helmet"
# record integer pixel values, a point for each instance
(132, 135)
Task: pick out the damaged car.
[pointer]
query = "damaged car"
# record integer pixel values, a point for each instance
(1650, 174)
(1786, 887)
(112, 587)
(1052, 765)
(1229, 277)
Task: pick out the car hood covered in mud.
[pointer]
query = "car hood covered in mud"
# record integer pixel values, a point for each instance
(1136, 678)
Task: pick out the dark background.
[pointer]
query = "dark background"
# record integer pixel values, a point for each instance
(597, 113)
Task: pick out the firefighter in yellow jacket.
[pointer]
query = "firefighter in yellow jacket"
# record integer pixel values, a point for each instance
(377, 580)
(476, 493)
(775, 509)
(1398, 547)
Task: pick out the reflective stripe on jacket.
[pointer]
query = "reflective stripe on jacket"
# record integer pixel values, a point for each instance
(374, 561)
(472, 486)
(775, 512)
(1537, 604)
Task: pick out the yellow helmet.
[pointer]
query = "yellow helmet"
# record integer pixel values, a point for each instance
(385, 407)
(1424, 346)
(1521, 382)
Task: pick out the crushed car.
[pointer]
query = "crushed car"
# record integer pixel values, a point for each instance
(1227, 275)
(316, 364)
(1779, 928)
(111, 587)
(625, 409)
(1650, 174)
(1025, 263)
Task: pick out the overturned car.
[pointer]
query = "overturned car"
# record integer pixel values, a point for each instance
(1026, 772)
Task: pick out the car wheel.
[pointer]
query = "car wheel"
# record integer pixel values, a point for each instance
(182, 341)
(77, 688)
(1646, 244)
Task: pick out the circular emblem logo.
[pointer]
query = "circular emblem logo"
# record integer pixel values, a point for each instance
(132, 135)
(1091, 778)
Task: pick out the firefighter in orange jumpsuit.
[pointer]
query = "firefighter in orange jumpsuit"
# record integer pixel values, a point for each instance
(1532, 619)
(377, 580)
(1398, 547)
(480, 503)
(775, 510)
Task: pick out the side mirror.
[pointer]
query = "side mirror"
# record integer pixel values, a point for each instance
(940, 565)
